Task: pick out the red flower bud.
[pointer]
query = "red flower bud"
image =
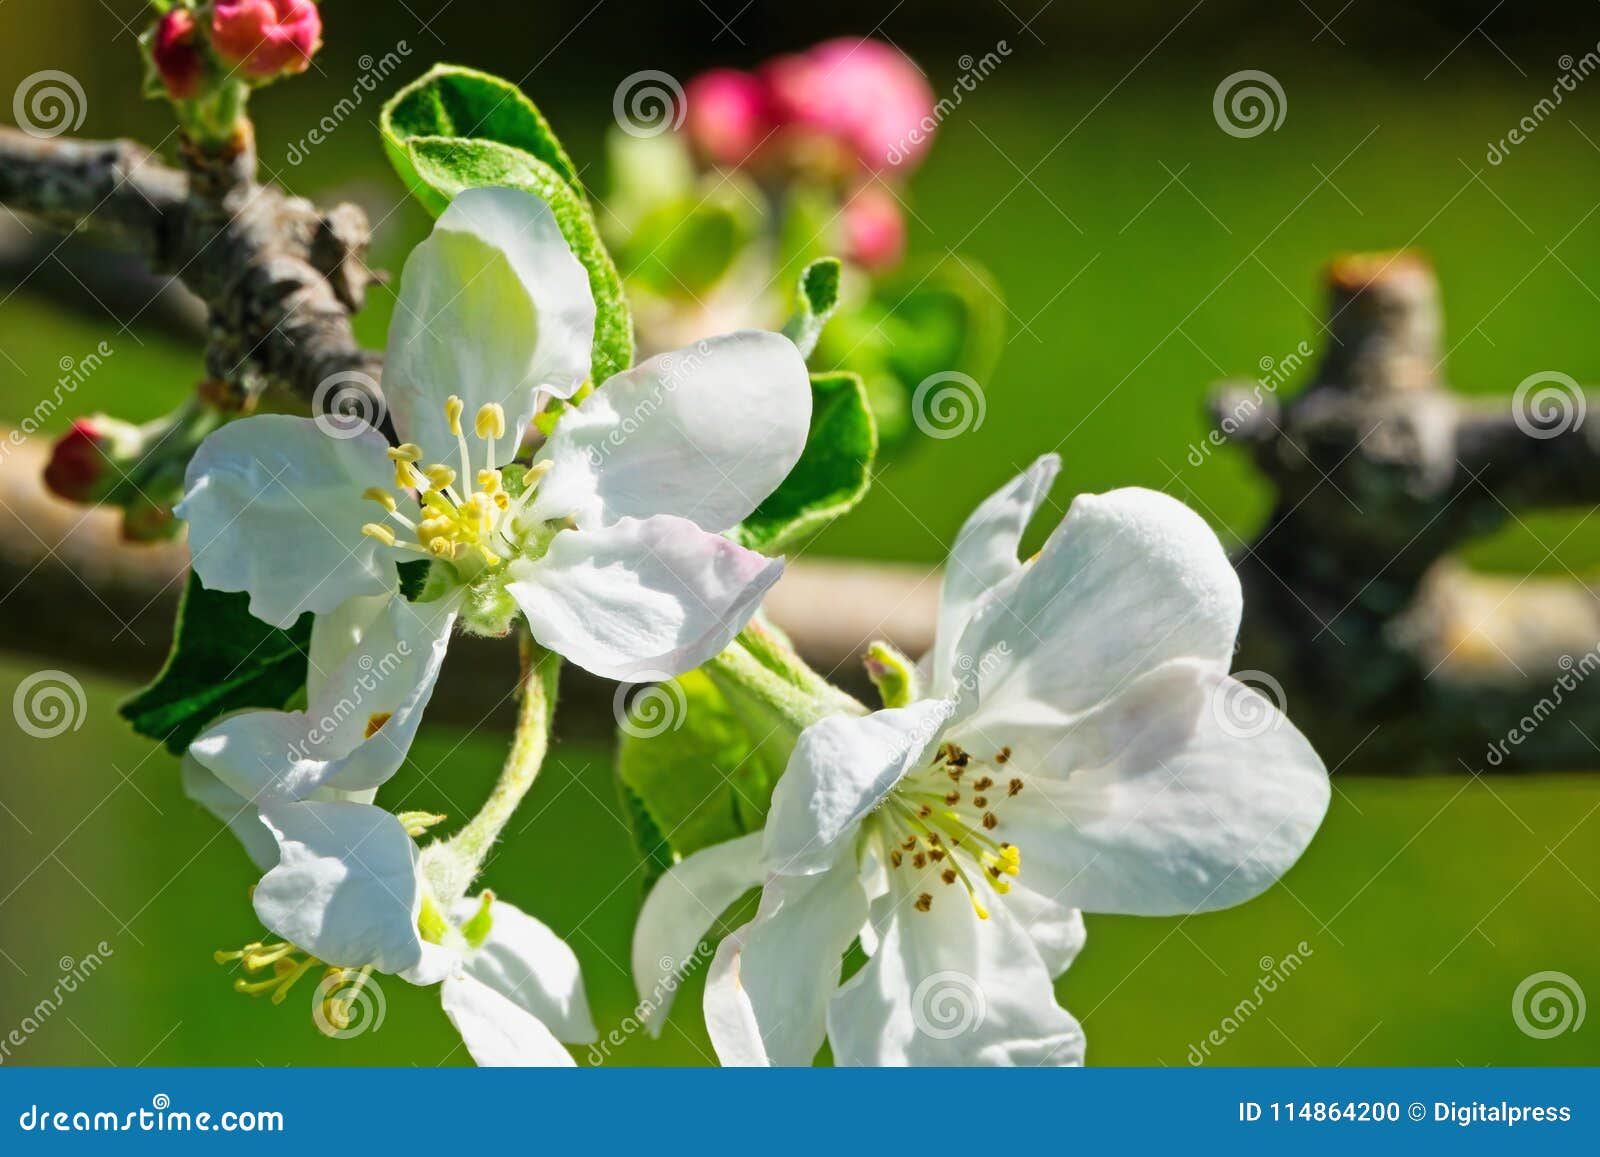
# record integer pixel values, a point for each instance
(78, 462)
(266, 38)
(176, 53)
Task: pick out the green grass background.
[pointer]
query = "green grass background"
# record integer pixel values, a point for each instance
(1144, 255)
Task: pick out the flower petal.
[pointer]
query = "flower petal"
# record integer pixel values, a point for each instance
(493, 307)
(655, 597)
(946, 988)
(345, 886)
(238, 813)
(985, 555)
(497, 1031)
(275, 509)
(840, 769)
(1129, 580)
(767, 995)
(354, 734)
(679, 911)
(1187, 792)
(531, 966)
(1056, 930)
(704, 432)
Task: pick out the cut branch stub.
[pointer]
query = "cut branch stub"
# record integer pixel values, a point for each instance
(1380, 473)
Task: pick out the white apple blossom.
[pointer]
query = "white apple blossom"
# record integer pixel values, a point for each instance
(609, 544)
(1068, 756)
(345, 890)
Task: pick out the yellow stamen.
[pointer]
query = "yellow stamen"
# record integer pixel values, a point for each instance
(439, 475)
(491, 421)
(405, 452)
(382, 533)
(382, 497)
(442, 547)
(489, 481)
(453, 408)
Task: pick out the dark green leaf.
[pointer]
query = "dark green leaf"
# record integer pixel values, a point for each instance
(445, 166)
(462, 103)
(834, 470)
(223, 659)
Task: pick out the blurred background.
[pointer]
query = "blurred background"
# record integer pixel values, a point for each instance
(1143, 254)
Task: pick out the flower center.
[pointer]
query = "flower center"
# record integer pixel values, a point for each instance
(939, 822)
(466, 517)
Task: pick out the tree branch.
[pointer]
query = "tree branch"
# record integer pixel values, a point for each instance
(279, 277)
(1352, 598)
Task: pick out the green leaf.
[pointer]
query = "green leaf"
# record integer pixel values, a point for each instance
(833, 472)
(816, 297)
(922, 321)
(444, 166)
(223, 659)
(696, 767)
(682, 249)
(464, 104)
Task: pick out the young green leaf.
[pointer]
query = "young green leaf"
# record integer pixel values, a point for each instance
(694, 769)
(816, 297)
(223, 659)
(443, 166)
(920, 322)
(833, 472)
(464, 104)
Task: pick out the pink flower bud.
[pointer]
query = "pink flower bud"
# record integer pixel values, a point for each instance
(79, 465)
(874, 229)
(866, 94)
(729, 115)
(176, 53)
(266, 38)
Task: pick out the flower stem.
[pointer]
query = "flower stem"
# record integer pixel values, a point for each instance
(761, 665)
(453, 864)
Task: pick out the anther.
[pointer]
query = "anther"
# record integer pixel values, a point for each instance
(382, 497)
(983, 784)
(453, 408)
(990, 820)
(405, 452)
(382, 533)
(491, 421)
(980, 801)
(948, 875)
(1002, 755)
(924, 902)
(440, 475)
(1014, 787)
